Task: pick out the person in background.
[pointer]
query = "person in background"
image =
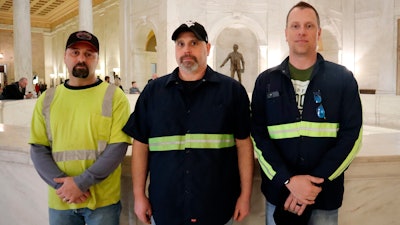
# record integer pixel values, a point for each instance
(42, 87)
(191, 132)
(134, 89)
(117, 82)
(17, 90)
(107, 79)
(153, 77)
(307, 126)
(37, 89)
(77, 143)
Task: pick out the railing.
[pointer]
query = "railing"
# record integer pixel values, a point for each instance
(378, 110)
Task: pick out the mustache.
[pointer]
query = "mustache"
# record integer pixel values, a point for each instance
(188, 56)
(81, 64)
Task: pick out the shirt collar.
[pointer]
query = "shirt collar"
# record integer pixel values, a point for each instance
(209, 76)
(284, 66)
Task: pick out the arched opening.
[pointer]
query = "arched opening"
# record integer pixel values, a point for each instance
(151, 43)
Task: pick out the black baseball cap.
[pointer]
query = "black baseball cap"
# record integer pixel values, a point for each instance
(83, 36)
(194, 27)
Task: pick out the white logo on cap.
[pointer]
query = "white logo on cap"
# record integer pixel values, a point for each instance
(189, 23)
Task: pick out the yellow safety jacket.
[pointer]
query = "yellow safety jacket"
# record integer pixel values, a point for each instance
(79, 134)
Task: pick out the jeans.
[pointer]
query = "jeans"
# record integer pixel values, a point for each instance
(108, 215)
(318, 217)
(230, 222)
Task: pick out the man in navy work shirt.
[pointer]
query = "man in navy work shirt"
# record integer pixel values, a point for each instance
(192, 136)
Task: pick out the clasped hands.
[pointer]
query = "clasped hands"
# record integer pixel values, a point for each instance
(69, 192)
(304, 189)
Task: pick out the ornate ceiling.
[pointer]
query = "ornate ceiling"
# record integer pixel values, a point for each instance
(44, 13)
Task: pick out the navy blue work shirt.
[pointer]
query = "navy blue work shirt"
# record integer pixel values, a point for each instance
(191, 132)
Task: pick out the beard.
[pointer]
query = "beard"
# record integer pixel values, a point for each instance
(80, 70)
(188, 66)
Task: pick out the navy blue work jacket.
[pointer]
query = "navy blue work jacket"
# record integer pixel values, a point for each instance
(290, 143)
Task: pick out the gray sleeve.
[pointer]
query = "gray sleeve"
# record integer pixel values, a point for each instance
(108, 161)
(45, 165)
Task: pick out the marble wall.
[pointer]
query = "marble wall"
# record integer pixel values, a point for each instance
(358, 34)
(258, 26)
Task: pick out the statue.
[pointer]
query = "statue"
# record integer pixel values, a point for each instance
(235, 58)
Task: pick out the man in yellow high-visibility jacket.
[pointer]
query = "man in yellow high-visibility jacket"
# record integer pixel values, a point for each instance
(77, 144)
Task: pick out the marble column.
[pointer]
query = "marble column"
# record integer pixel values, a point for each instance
(22, 42)
(276, 22)
(86, 15)
(386, 11)
(169, 21)
(347, 57)
(127, 62)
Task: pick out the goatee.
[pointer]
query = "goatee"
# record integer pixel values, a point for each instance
(80, 70)
(189, 66)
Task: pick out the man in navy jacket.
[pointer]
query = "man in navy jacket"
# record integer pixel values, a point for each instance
(16, 90)
(307, 126)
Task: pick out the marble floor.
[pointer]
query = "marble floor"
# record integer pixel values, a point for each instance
(24, 199)
(367, 200)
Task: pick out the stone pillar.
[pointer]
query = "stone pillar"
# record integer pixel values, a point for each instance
(277, 47)
(347, 57)
(86, 15)
(398, 59)
(169, 21)
(386, 11)
(127, 60)
(22, 42)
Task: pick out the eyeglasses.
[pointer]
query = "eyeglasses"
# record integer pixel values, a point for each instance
(320, 109)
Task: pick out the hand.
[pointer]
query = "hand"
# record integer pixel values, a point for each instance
(242, 208)
(29, 95)
(304, 188)
(69, 192)
(143, 209)
(293, 205)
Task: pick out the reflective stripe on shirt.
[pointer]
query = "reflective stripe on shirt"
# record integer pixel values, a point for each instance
(181, 142)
